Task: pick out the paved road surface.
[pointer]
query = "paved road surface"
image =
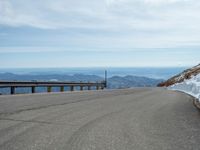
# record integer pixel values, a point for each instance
(132, 119)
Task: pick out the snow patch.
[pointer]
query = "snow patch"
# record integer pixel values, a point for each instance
(189, 86)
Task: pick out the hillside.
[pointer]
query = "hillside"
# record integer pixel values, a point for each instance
(188, 81)
(187, 74)
(117, 82)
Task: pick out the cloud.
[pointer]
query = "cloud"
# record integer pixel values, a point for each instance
(10, 16)
(109, 23)
(118, 14)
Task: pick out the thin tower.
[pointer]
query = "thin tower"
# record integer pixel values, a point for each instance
(105, 78)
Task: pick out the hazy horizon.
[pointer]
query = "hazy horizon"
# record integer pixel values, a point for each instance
(157, 73)
(101, 67)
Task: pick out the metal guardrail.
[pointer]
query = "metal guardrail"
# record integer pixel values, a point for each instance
(49, 84)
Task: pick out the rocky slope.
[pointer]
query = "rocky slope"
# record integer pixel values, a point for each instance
(187, 74)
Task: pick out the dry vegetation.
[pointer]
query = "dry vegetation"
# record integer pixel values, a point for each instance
(187, 74)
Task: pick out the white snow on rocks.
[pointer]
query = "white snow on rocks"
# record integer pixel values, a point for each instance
(189, 86)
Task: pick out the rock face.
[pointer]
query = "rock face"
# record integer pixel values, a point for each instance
(187, 74)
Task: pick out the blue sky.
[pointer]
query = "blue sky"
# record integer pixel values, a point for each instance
(107, 33)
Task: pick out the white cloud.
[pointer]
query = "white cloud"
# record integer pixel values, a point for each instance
(139, 23)
(87, 13)
(9, 15)
(164, 2)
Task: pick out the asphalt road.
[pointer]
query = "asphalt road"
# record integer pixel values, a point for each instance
(132, 119)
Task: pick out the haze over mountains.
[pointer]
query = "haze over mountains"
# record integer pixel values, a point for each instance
(114, 82)
(150, 72)
(118, 78)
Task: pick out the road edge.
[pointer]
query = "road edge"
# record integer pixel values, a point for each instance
(196, 103)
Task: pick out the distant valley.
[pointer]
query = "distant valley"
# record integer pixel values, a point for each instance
(114, 82)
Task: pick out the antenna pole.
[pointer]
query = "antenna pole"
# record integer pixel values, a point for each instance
(105, 78)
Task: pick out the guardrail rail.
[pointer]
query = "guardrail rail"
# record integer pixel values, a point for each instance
(49, 84)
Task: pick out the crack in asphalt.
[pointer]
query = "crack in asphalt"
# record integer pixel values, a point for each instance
(29, 121)
(71, 102)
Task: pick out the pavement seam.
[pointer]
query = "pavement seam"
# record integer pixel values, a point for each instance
(29, 121)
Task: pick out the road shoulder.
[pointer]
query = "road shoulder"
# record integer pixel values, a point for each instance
(196, 103)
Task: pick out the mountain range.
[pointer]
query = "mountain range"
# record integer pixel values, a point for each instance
(114, 82)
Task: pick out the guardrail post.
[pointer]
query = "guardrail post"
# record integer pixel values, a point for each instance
(49, 89)
(89, 86)
(81, 88)
(12, 90)
(33, 89)
(62, 89)
(72, 88)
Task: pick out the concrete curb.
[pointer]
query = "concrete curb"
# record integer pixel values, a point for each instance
(196, 104)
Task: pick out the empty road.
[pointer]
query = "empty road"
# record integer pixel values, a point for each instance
(132, 119)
